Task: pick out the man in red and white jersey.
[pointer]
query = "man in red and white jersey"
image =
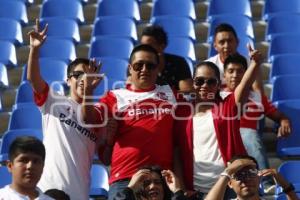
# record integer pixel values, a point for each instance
(70, 146)
(144, 113)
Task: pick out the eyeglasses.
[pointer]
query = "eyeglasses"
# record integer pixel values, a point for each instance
(245, 174)
(76, 74)
(199, 81)
(139, 66)
(154, 181)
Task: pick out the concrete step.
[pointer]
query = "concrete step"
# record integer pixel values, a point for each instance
(14, 76)
(256, 8)
(201, 29)
(4, 118)
(86, 33)
(82, 50)
(8, 98)
(201, 50)
(201, 10)
(259, 27)
(33, 12)
(145, 11)
(89, 12)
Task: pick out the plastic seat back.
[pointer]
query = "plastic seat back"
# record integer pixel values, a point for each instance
(99, 182)
(13, 31)
(8, 53)
(181, 46)
(14, 10)
(280, 6)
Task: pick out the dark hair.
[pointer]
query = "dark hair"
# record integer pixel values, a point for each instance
(76, 62)
(57, 194)
(225, 28)
(144, 47)
(157, 169)
(237, 157)
(157, 32)
(26, 144)
(236, 59)
(211, 65)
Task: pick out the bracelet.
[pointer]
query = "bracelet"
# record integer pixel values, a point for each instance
(289, 188)
(224, 173)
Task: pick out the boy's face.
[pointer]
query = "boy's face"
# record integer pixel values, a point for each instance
(26, 169)
(75, 82)
(225, 44)
(233, 75)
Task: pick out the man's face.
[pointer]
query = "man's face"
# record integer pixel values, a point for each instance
(245, 182)
(143, 70)
(233, 75)
(225, 44)
(153, 187)
(152, 42)
(75, 82)
(26, 170)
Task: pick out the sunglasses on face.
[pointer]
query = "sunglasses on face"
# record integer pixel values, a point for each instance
(139, 66)
(76, 74)
(245, 174)
(199, 81)
(154, 181)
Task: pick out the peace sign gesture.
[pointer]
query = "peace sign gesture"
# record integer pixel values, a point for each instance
(37, 37)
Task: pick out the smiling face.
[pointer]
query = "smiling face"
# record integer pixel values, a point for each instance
(225, 44)
(153, 187)
(206, 84)
(143, 70)
(75, 82)
(233, 75)
(26, 169)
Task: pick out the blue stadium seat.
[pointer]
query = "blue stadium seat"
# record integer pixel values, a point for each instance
(241, 24)
(284, 65)
(99, 182)
(286, 88)
(283, 23)
(27, 2)
(116, 27)
(182, 46)
(61, 28)
(58, 49)
(221, 7)
(242, 48)
(51, 70)
(13, 31)
(273, 7)
(8, 53)
(67, 9)
(114, 68)
(171, 25)
(107, 84)
(184, 8)
(290, 171)
(10, 135)
(14, 10)
(110, 47)
(3, 77)
(128, 8)
(25, 117)
(290, 146)
(6, 177)
(283, 196)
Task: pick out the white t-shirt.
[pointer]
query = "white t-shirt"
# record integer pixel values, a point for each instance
(69, 146)
(208, 162)
(216, 59)
(7, 193)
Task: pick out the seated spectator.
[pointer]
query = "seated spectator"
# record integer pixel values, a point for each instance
(258, 105)
(57, 194)
(26, 162)
(152, 183)
(243, 177)
(173, 69)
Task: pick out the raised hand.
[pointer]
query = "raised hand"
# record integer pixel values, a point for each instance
(138, 178)
(254, 54)
(37, 37)
(171, 180)
(285, 128)
(238, 164)
(92, 77)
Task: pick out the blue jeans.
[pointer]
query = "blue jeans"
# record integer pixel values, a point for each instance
(116, 187)
(255, 148)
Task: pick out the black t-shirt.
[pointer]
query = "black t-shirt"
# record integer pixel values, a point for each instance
(176, 69)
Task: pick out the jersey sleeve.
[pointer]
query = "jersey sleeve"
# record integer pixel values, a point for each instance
(40, 98)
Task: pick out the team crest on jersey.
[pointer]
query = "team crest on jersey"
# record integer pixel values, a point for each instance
(162, 95)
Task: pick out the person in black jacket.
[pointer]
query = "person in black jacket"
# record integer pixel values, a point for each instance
(152, 183)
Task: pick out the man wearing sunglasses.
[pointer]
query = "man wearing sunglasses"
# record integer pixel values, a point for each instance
(143, 111)
(70, 145)
(243, 177)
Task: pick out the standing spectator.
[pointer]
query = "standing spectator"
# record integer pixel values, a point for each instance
(70, 146)
(143, 111)
(243, 177)
(258, 105)
(26, 162)
(173, 69)
(211, 137)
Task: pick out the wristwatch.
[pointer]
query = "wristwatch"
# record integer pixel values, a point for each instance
(289, 188)
(225, 173)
